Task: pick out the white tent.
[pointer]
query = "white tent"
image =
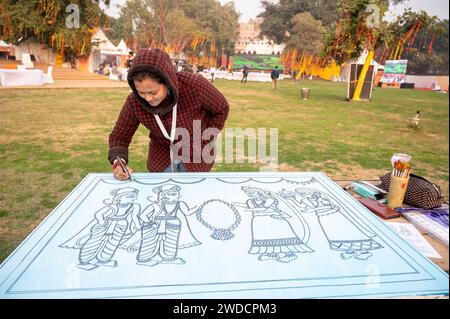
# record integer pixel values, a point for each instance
(102, 43)
(123, 47)
(103, 50)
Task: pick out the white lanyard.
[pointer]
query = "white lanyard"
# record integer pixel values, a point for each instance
(171, 138)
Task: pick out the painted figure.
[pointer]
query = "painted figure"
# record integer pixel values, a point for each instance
(352, 240)
(113, 223)
(165, 228)
(273, 237)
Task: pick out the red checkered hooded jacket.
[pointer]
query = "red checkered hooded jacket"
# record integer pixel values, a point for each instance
(196, 99)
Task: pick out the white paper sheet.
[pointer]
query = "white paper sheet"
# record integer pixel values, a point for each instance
(413, 236)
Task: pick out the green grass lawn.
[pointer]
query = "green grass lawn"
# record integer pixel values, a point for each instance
(50, 139)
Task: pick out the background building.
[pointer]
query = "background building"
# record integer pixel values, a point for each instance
(250, 43)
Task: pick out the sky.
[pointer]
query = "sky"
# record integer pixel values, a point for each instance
(251, 8)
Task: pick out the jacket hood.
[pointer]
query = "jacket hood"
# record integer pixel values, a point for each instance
(152, 60)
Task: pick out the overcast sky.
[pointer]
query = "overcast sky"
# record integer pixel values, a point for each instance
(250, 8)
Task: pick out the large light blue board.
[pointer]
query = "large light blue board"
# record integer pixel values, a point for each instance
(215, 235)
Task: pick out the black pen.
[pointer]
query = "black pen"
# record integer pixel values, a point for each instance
(124, 168)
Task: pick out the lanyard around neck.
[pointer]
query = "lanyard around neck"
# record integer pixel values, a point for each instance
(170, 137)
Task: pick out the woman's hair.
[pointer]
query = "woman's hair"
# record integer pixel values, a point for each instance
(260, 191)
(154, 75)
(118, 193)
(164, 189)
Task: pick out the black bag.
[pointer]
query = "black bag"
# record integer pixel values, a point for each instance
(420, 192)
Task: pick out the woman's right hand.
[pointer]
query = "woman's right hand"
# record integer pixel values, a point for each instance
(119, 173)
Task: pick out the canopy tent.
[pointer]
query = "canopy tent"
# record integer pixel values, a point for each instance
(101, 42)
(104, 51)
(123, 47)
(125, 50)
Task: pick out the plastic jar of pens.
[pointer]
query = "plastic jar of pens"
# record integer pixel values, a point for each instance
(399, 180)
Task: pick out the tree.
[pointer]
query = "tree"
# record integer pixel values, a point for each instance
(419, 38)
(359, 29)
(45, 20)
(219, 22)
(351, 34)
(178, 26)
(439, 52)
(277, 24)
(183, 21)
(137, 24)
(306, 34)
(117, 30)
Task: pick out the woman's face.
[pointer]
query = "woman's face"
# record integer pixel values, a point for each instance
(150, 90)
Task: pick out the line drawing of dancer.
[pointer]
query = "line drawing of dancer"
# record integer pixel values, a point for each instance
(291, 197)
(165, 229)
(113, 223)
(354, 240)
(273, 237)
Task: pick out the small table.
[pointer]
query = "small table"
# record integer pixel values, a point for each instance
(21, 77)
(438, 246)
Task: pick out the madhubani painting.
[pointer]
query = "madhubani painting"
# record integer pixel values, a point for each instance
(215, 235)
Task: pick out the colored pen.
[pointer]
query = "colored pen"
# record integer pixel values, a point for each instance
(124, 168)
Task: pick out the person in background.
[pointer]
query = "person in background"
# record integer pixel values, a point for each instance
(295, 75)
(115, 71)
(212, 71)
(167, 102)
(129, 59)
(106, 69)
(274, 75)
(194, 69)
(245, 72)
(100, 68)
